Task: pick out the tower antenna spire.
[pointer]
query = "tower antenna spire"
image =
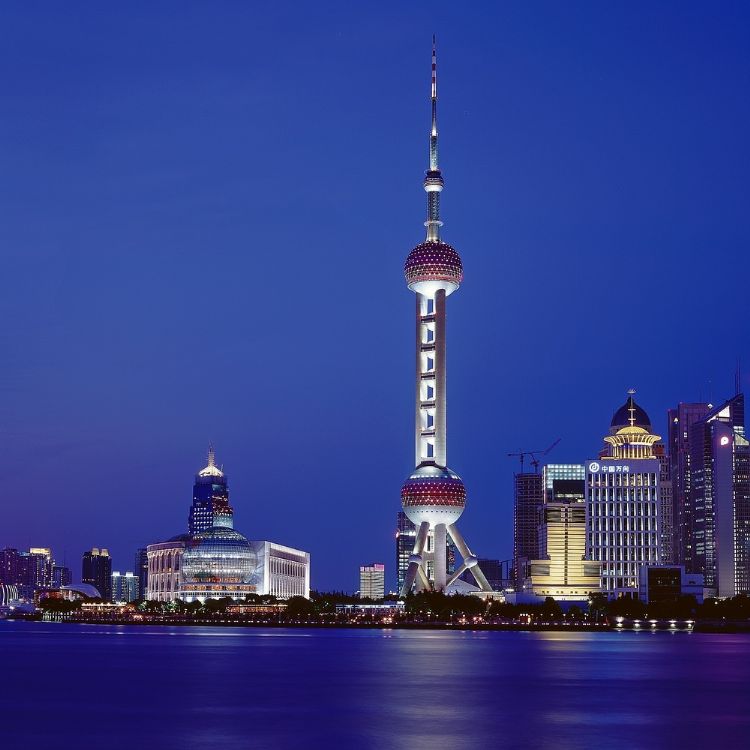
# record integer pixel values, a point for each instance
(433, 181)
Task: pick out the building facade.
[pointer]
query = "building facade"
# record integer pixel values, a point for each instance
(622, 502)
(561, 569)
(563, 572)
(61, 576)
(141, 570)
(498, 573)
(96, 569)
(124, 587)
(679, 423)
(279, 570)
(720, 494)
(28, 571)
(406, 533)
(667, 583)
(372, 581)
(528, 498)
(164, 568)
(210, 505)
(666, 506)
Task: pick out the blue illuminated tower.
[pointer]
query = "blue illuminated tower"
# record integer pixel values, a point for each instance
(210, 498)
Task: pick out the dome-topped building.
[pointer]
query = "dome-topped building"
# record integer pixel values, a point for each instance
(217, 562)
(625, 517)
(630, 414)
(214, 561)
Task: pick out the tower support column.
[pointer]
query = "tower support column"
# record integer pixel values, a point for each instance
(439, 559)
(441, 457)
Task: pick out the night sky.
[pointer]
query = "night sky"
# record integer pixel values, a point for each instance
(205, 212)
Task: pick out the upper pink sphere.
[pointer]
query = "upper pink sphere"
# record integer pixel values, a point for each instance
(433, 263)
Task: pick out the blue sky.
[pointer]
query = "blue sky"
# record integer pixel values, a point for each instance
(206, 209)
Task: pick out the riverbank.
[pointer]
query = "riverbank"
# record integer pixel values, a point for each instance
(603, 626)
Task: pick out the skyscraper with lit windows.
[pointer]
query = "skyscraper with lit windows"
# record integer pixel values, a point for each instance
(720, 494)
(622, 501)
(210, 498)
(528, 498)
(96, 570)
(679, 423)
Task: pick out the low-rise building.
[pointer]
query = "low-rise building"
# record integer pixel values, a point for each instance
(667, 583)
(124, 587)
(372, 581)
(164, 568)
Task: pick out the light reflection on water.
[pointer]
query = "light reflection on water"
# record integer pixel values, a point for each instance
(249, 688)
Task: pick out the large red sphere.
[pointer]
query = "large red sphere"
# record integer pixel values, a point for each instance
(434, 262)
(433, 494)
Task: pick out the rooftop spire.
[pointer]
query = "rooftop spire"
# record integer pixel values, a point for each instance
(211, 469)
(433, 182)
(434, 99)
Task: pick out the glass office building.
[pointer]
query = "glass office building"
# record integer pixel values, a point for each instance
(210, 505)
(720, 495)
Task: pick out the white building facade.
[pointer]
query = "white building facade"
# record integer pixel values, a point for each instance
(164, 569)
(372, 581)
(623, 502)
(280, 571)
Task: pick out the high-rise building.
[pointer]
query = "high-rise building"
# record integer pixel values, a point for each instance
(528, 498)
(141, 571)
(165, 568)
(10, 566)
(720, 495)
(666, 505)
(61, 576)
(124, 587)
(679, 422)
(562, 570)
(559, 569)
(433, 497)
(406, 533)
(96, 570)
(622, 501)
(563, 482)
(210, 498)
(36, 567)
(497, 572)
(372, 581)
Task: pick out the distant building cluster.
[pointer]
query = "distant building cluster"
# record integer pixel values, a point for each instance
(27, 577)
(643, 516)
(212, 560)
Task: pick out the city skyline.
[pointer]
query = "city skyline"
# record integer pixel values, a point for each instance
(154, 305)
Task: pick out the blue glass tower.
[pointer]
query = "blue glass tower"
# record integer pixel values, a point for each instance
(210, 498)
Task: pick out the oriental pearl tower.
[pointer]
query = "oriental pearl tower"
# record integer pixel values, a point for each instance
(433, 497)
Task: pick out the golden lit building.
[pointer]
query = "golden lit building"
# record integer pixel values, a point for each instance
(563, 573)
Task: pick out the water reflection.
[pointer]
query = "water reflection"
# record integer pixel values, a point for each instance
(246, 688)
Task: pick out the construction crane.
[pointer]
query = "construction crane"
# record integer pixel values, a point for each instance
(535, 456)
